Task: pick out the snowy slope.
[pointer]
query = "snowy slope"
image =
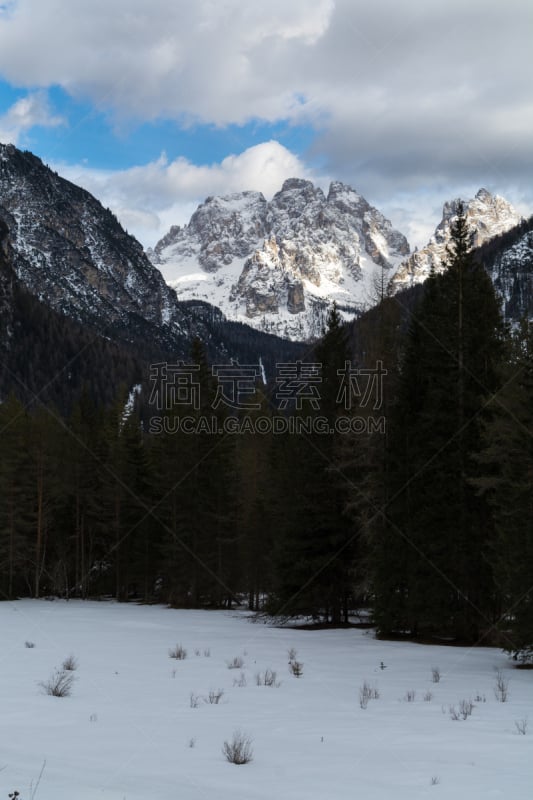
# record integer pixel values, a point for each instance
(279, 265)
(128, 731)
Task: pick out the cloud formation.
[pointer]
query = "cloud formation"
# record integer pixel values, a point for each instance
(409, 97)
(149, 199)
(25, 114)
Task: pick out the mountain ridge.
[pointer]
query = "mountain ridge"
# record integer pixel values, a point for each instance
(279, 264)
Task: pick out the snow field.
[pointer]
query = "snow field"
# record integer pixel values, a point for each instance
(128, 731)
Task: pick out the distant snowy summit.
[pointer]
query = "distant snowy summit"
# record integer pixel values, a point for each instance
(280, 265)
(487, 216)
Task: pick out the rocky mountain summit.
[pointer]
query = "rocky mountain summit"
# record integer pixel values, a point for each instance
(279, 265)
(73, 254)
(487, 216)
(59, 245)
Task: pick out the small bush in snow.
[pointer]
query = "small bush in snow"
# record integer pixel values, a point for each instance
(297, 668)
(194, 700)
(521, 726)
(267, 678)
(291, 652)
(466, 707)
(192, 742)
(410, 696)
(214, 697)
(70, 664)
(435, 674)
(435, 780)
(30, 645)
(501, 687)
(178, 652)
(480, 698)
(463, 712)
(240, 681)
(59, 684)
(239, 749)
(207, 652)
(428, 697)
(236, 663)
(454, 714)
(366, 693)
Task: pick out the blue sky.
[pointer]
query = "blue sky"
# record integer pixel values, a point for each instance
(88, 135)
(154, 106)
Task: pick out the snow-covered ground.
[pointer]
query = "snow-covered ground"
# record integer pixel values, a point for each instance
(128, 731)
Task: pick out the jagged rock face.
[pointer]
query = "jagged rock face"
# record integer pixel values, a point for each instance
(487, 216)
(73, 254)
(221, 229)
(511, 270)
(280, 265)
(6, 287)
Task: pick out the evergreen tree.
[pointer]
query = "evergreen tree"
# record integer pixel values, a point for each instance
(507, 483)
(313, 554)
(431, 569)
(16, 501)
(197, 469)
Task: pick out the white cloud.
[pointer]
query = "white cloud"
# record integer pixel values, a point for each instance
(149, 199)
(198, 60)
(26, 113)
(412, 100)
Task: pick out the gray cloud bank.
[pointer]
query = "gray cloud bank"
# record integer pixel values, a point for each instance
(410, 96)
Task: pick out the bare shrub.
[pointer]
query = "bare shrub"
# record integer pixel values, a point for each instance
(428, 696)
(59, 684)
(196, 652)
(178, 652)
(292, 654)
(240, 681)
(480, 698)
(267, 678)
(239, 750)
(29, 645)
(236, 663)
(214, 697)
(192, 742)
(207, 652)
(463, 711)
(410, 696)
(194, 700)
(501, 687)
(454, 713)
(521, 726)
(435, 780)
(70, 663)
(435, 674)
(297, 668)
(366, 693)
(465, 708)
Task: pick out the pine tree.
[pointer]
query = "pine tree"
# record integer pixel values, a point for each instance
(431, 568)
(507, 483)
(313, 549)
(16, 501)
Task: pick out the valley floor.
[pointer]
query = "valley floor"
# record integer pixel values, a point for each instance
(128, 731)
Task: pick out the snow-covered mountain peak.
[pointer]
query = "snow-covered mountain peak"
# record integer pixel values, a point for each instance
(487, 216)
(279, 265)
(220, 230)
